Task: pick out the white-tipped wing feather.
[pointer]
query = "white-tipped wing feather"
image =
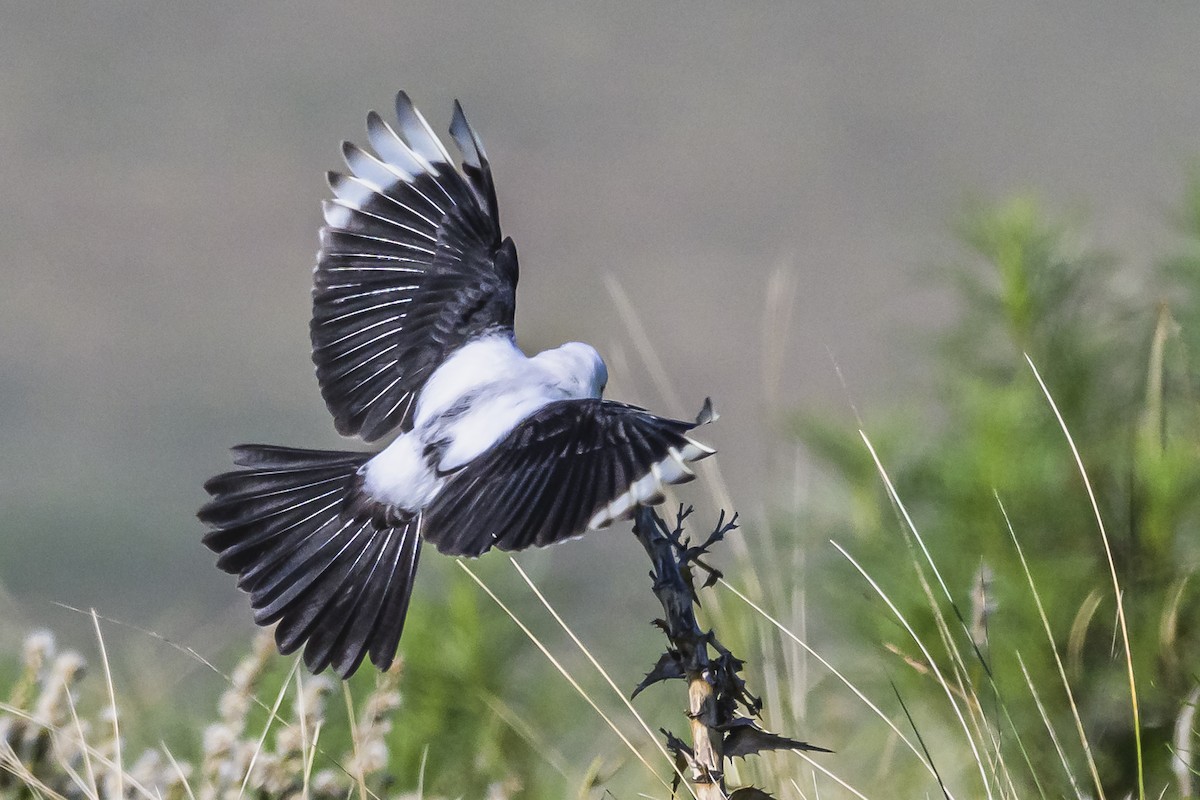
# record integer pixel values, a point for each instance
(648, 490)
(572, 466)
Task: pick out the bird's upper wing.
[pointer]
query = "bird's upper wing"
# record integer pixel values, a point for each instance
(411, 267)
(573, 466)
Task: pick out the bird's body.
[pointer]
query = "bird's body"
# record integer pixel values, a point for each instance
(412, 334)
(475, 398)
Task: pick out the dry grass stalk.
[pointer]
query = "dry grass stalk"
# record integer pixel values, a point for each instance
(49, 749)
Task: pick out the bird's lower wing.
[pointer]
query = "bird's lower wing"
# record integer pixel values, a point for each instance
(574, 466)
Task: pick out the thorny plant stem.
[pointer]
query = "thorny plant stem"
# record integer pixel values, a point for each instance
(707, 761)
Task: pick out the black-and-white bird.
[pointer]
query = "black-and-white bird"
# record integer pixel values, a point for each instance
(412, 332)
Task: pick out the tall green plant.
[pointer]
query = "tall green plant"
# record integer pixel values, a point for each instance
(1117, 367)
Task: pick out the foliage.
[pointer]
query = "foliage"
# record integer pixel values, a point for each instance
(1117, 368)
(280, 732)
(459, 675)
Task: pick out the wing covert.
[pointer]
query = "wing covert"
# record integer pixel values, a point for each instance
(412, 266)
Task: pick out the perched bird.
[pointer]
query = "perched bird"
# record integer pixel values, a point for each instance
(412, 332)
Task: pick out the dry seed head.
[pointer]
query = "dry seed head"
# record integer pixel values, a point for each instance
(37, 649)
(263, 646)
(71, 741)
(273, 774)
(291, 738)
(245, 674)
(250, 668)
(370, 756)
(218, 741)
(380, 703)
(148, 769)
(371, 752)
(68, 668)
(52, 707)
(326, 782)
(233, 706)
(177, 778)
(316, 689)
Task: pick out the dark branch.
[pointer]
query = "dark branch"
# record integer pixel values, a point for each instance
(717, 692)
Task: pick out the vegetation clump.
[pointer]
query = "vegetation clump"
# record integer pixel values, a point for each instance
(1107, 545)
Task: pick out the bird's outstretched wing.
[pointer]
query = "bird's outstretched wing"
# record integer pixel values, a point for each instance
(573, 466)
(411, 267)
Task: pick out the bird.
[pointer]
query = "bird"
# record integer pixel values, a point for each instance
(413, 302)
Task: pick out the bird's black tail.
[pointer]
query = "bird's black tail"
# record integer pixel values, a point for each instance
(288, 525)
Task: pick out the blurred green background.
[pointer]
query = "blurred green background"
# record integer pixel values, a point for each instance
(162, 167)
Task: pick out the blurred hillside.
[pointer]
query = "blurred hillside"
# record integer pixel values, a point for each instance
(162, 168)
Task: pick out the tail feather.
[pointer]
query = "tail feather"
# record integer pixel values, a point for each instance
(245, 484)
(337, 581)
(247, 542)
(275, 583)
(374, 574)
(278, 457)
(251, 504)
(394, 599)
(333, 574)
